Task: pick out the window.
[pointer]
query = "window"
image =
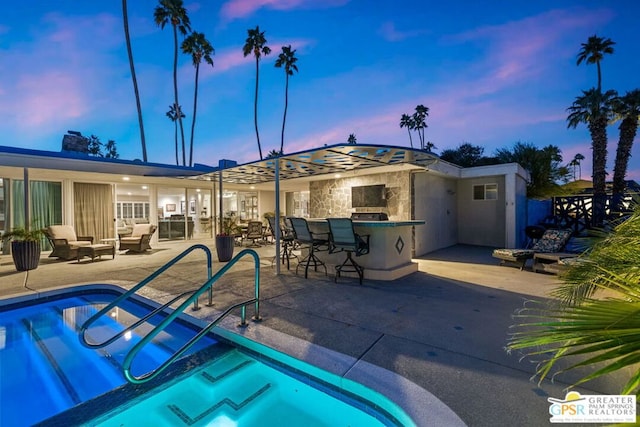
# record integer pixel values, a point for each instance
(485, 192)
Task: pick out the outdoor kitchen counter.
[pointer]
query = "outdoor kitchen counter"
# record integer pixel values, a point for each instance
(390, 248)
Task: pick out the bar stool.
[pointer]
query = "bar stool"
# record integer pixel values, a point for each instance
(286, 237)
(314, 242)
(343, 238)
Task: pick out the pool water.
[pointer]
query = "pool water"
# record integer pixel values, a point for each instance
(238, 390)
(43, 362)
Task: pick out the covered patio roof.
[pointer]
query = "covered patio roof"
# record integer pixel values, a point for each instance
(337, 158)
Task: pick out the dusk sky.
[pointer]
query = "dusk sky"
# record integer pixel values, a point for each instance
(491, 72)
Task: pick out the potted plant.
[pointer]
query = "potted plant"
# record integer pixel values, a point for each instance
(226, 238)
(25, 247)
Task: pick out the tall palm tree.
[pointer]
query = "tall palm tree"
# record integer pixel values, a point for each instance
(594, 109)
(419, 122)
(173, 11)
(125, 19)
(593, 51)
(577, 163)
(286, 59)
(406, 121)
(200, 49)
(174, 113)
(627, 108)
(256, 44)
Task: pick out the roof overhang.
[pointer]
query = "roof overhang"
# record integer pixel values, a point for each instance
(27, 158)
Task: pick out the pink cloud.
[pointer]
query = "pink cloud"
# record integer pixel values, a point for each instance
(235, 9)
(519, 49)
(48, 98)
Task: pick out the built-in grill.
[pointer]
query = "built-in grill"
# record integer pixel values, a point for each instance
(369, 216)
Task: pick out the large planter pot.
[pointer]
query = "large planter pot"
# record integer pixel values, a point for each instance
(224, 247)
(26, 254)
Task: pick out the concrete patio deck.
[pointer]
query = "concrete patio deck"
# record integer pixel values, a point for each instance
(443, 328)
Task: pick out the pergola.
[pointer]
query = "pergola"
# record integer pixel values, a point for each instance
(339, 158)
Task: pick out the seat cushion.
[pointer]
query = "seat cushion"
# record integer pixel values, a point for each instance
(141, 229)
(80, 243)
(552, 241)
(513, 253)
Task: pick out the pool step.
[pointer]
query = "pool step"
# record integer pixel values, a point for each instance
(226, 388)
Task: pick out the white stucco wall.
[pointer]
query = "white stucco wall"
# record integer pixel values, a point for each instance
(481, 222)
(435, 202)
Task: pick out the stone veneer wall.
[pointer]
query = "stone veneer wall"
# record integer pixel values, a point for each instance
(332, 198)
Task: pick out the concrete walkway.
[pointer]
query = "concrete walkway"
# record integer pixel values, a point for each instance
(443, 328)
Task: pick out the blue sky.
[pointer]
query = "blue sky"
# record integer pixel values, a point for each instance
(492, 73)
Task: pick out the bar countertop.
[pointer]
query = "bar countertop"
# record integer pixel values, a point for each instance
(373, 223)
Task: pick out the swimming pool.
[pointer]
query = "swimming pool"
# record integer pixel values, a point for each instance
(219, 383)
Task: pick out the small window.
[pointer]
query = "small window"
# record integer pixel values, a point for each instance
(485, 192)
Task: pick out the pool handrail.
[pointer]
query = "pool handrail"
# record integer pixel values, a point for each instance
(128, 360)
(140, 285)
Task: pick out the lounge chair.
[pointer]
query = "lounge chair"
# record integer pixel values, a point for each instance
(552, 241)
(65, 242)
(139, 239)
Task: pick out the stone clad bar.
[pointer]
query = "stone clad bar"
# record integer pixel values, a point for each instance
(390, 244)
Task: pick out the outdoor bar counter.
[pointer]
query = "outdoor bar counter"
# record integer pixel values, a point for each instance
(389, 256)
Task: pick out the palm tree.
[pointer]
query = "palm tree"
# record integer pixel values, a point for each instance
(419, 123)
(430, 146)
(576, 163)
(627, 108)
(406, 121)
(174, 113)
(286, 59)
(199, 48)
(594, 109)
(125, 19)
(173, 11)
(256, 45)
(593, 51)
(352, 139)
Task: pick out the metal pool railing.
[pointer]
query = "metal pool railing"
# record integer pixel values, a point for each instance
(191, 297)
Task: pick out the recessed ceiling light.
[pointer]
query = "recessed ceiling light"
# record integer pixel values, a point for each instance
(253, 187)
(129, 193)
(144, 187)
(197, 190)
(125, 178)
(337, 175)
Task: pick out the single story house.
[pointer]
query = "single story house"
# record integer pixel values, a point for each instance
(98, 196)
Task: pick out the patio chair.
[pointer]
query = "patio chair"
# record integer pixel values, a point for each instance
(64, 241)
(254, 232)
(343, 238)
(313, 242)
(552, 241)
(286, 237)
(139, 239)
